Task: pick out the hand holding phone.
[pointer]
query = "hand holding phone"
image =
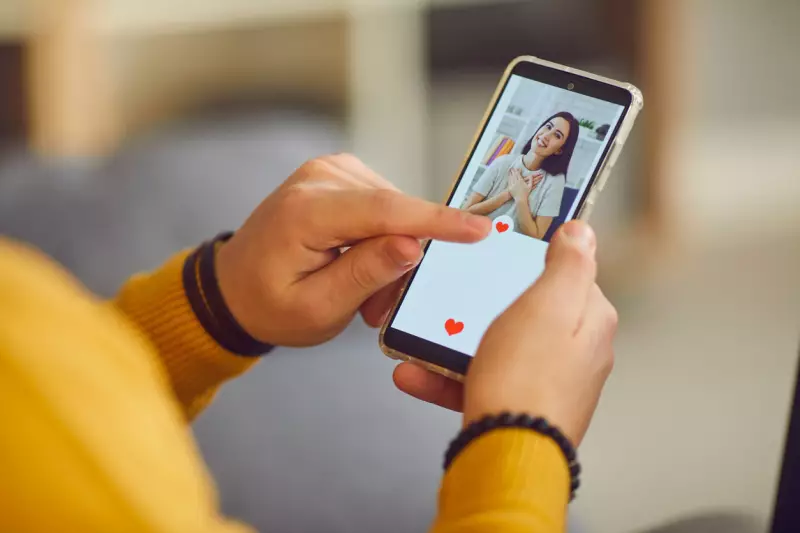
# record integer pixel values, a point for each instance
(283, 274)
(548, 355)
(536, 164)
(551, 352)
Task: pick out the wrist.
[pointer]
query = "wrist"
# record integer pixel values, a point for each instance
(215, 294)
(507, 420)
(231, 285)
(233, 282)
(557, 413)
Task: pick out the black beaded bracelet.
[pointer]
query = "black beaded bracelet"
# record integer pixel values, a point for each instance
(507, 420)
(205, 298)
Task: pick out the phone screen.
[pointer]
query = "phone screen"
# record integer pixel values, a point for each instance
(540, 150)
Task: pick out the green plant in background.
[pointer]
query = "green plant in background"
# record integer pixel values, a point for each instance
(586, 123)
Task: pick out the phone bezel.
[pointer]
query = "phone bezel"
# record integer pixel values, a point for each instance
(400, 344)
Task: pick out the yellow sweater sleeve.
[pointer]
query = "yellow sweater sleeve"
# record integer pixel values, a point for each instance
(509, 481)
(91, 438)
(196, 364)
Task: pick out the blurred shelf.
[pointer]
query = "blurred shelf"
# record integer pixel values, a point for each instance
(590, 140)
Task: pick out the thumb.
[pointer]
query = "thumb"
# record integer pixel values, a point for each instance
(570, 272)
(365, 269)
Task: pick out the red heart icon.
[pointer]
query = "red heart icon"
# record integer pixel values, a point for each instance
(453, 327)
(501, 227)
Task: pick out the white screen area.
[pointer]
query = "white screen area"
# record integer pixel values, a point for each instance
(459, 289)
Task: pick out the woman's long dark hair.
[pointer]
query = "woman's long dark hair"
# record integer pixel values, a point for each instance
(559, 163)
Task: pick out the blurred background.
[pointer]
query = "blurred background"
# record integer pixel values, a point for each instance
(130, 129)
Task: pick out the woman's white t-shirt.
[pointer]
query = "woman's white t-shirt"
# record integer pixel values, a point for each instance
(544, 200)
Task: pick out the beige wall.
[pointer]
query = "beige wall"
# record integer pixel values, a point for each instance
(735, 163)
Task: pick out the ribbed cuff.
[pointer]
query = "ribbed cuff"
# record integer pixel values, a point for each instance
(196, 363)
(508, 470)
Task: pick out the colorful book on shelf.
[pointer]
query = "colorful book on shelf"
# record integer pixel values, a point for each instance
(507, 147)
(502, 146)
(491, 153)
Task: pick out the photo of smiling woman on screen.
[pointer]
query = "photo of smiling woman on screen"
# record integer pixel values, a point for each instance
(528, 187)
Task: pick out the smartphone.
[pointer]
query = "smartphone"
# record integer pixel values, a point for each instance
(542, 154)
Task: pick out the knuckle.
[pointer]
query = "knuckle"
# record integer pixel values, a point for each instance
(297, 195)
(612, 317)
(384, 202)
(384, 198)
(346, 158)
(573, 256)
(581, 260)
(315, 167)
(608, 318)
(609, 362)
(361, 275)
(446, 217)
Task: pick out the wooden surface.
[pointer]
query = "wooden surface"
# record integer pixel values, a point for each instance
(70, 84)
(658, 62)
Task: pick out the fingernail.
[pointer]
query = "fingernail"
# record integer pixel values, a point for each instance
(580, 235)
(406, 258)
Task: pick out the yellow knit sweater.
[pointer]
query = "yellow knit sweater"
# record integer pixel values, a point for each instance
(94, 403)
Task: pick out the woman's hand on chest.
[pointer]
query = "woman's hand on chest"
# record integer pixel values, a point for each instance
(520, 186)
